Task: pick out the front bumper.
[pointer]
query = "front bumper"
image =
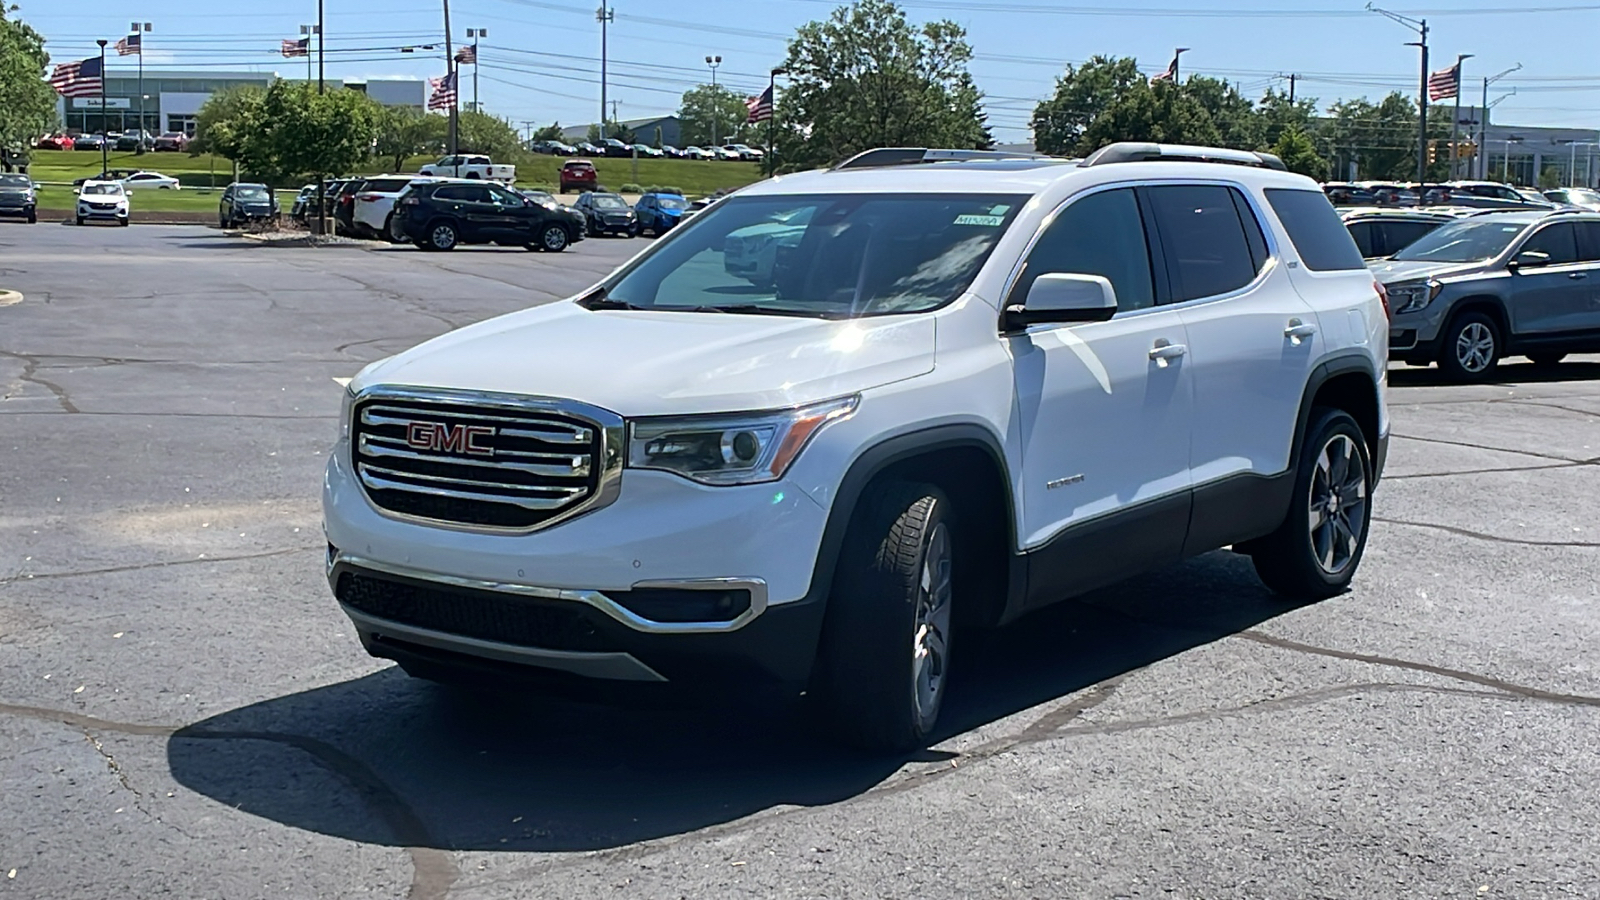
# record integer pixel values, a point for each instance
(16, 210)
(661, 529)
(89, 212)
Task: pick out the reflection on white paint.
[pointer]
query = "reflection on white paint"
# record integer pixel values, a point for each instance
(342, 382)
(849, 339)
(1085, 353)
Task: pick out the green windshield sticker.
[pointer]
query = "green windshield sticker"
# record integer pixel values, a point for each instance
(1000, 210)
(992, 221)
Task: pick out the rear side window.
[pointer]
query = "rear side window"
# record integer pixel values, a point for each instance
(1318, 235)
(467, 193)
(1365, 234)
(1399, 235)
(1588, 241)
(386, 185)
(1205, 243)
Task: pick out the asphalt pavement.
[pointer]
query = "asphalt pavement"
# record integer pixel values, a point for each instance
(184, 711)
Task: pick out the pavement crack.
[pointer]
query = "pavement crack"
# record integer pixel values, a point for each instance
(1478, 535)
(1582, 412)
(1412, 437)
(136, 567)
(30, 369)
(1567, 465)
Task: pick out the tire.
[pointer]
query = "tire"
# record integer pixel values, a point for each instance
(33, 218)
(1315, 552)
(554, 239)
(123, 222)
(472, 176)
(442, 236)
(392, 233)
(1471, 347)
(80, 220)
(884, 659)
(1546, 360)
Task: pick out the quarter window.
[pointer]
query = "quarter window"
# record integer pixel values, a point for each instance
(1321, 240)
(1204, 241)
(1101, 234)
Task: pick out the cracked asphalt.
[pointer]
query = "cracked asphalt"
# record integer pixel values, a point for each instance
(184, 711)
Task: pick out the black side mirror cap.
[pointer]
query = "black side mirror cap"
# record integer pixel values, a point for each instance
(1018, 318)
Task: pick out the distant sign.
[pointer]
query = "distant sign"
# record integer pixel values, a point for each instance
(94, 103)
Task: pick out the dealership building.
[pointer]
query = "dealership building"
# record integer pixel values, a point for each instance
(171, 98)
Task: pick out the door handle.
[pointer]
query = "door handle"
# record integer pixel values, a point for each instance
(1299, 331)
(1164, 352)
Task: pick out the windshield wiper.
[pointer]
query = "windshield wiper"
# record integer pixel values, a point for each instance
(598, 300)
(751, 309)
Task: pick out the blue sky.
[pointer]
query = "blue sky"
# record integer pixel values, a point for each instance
(540, 61)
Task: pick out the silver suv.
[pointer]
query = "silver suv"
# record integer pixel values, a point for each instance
(1496, 285)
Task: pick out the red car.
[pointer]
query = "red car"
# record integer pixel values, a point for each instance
(578, 175)
(54, 142)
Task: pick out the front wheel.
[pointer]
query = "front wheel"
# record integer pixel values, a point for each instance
(1314, 554)
(80, 220)
(1471, 347)
(553, 239)
(885, 655)
(442, 236)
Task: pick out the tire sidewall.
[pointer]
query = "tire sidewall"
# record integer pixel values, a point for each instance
(545, 239)
(1330, 424)
(1447, 354)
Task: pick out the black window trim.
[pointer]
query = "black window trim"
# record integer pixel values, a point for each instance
(1237, 190)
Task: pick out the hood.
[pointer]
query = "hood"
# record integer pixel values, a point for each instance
(639, 363)
(1395, 271)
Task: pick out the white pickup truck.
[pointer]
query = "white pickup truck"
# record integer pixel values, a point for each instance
(469, 166)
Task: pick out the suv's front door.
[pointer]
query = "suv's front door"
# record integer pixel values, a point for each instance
(1104, 411)
(1550, 295)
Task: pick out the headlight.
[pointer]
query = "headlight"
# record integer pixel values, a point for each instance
(742, 448)
(345, 410)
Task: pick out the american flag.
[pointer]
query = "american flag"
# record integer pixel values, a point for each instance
(129, 45)
(468, 55)
(443, 92)
(301, 47)
(760, 107)
(78, 79)
(1445, 83)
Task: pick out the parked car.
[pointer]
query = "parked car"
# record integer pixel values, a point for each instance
(814, 504)
(616, 149)
(107, 175)
(607, 214)
(697, 153)
(150, 180)
(54, 142)
(1583, 198)
(744, 152)
(647, 151)
(246, 204)
(1490, 189)
(1381, 233)
(659, 213)
(102, 201)
(171, 142)
(18, 198)
(589, 149)
(342, 208)
(95, 142)
(1535, 197)
(578, 175)
(471, 166)
(445, 214)
(133, 140)
(671, 152)
(554, 148)
(373, 210)
(1343, 194)
(304, 203)
(1493, 285)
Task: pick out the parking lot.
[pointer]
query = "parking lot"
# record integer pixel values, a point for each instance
(185, 710)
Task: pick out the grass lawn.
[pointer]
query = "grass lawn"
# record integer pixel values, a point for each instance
(57, 168)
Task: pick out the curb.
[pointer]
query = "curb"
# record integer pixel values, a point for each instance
(9, 298)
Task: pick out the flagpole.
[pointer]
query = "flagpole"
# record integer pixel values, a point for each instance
(104, 162)
(475, 76)
(1455, 126)
(139, 150)
(449, 74)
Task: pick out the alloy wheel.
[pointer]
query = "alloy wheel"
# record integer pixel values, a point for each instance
(443, 237)
(555, 239)
(1475, 347)
(930, 645)
(1338, 504)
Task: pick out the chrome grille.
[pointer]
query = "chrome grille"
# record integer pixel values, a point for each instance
(494, 463)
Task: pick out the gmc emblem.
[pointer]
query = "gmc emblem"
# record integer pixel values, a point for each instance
(441, 438)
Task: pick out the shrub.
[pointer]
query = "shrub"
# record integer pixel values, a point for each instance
(631, 188)
(660, 189)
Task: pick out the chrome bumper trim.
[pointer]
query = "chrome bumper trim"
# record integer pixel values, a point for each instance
(611, 666)
(756, 586)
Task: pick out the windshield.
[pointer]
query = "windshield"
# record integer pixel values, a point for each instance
(837, 256)
(672, 202)
(102, 189)
(610, 203)
(251, 192)
(15, 181)
(1468, 241)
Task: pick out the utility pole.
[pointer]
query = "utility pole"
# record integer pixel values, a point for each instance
(1483, 123)
(1420, 26)
(605, 16)
(476, 33)
(712, 62)
(1292, 80)
(104, 164)
(1455, 125)
(320, 43)
(453, 81)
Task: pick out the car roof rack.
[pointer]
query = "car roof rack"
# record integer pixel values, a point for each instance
(884, 157)
(1137, 151)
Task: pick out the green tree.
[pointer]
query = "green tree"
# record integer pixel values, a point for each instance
(405, 131)
(1162, 112)
(478, 132)
(228, 122)
(1082, 94)
(1299, 153)
(27, 103)
(551, 132)
(1238, 124)
(865, 78)
(1279, 115)
(300, 133)
(704, 107)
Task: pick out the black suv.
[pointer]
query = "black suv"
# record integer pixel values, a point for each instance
(607, 214)
(440, 216)
(243, 204)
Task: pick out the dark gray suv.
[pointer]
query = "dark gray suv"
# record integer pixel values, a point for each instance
(1495, 285)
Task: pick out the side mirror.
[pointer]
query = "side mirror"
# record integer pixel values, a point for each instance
(1064, 297)
(1529, 259)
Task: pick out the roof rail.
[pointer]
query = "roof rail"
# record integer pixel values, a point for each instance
(1135, 151)
(910, 156)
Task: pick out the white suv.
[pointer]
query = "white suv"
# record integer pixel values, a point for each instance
(974, 386)
(373, 212)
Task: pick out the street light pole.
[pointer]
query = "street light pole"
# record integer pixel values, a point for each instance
(712, 62)
(476, 33)
(1420, 26)
(321, 41)
(1483, 124)
(1455, 123)
(772, 121)
(454, 80)
(1177, 55)
(605, 17)
(140, 29)
(104, 162)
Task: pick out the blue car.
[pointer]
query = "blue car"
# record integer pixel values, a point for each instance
(659, 213)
